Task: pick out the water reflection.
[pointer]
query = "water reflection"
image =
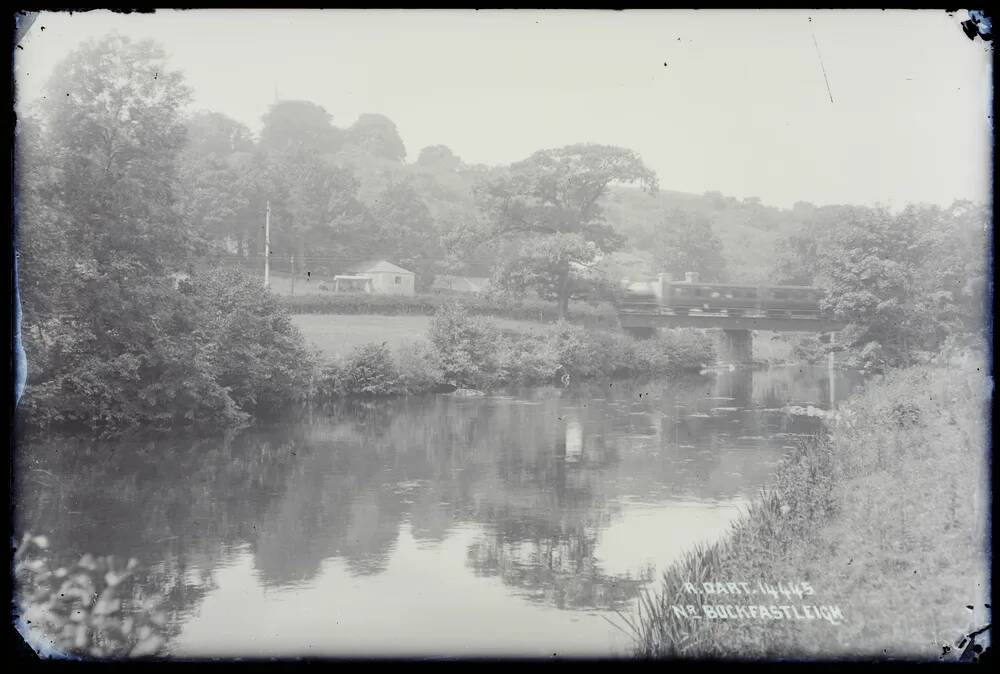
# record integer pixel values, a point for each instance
(570, 499)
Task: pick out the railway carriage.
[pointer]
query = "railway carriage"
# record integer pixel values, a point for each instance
(721, 298)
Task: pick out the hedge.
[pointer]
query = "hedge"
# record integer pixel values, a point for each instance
(428, 304)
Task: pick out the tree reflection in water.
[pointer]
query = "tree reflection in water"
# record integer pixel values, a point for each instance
(537, 475)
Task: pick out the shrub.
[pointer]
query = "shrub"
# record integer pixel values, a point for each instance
(686, 349)
(525, 359)
(418, 368)
(260, 356)
(466, 346)
(369, 371)
(208, 353)
(329, 382)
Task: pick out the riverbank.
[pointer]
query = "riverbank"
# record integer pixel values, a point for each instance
(462, 350)
(873, 537)
(337, 335)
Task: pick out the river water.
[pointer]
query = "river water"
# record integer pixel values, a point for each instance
(431, 525)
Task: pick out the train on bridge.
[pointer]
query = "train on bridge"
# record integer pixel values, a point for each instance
(684, 297)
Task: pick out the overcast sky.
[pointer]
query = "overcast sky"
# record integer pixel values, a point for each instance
(733, 101)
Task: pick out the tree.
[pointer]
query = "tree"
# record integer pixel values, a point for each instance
(872, 262)
(377, 135)
(439, 158)
(545, 212)
(115, 127)
(406, 231)
(114, 341)
(685, 242)
(219, 198)
(215, 134)
(294, 127)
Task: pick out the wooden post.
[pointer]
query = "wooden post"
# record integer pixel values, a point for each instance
(293, 274)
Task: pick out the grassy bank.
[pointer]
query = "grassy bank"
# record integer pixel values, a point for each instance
(467, 351)
(884, 518)
(339, 335)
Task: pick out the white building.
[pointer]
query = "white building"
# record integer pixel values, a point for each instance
(386, 278)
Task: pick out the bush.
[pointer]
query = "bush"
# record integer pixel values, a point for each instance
(419, 369)
(428, 304)
(469, 351)
(261, 357)
(525, 359)
(369, 371)
(467, 346)
(329, 382)
(209, 353)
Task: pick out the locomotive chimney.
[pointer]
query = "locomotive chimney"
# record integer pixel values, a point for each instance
(691, 277)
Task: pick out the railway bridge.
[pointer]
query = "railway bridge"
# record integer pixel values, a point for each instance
(736, 310)
(737, 331)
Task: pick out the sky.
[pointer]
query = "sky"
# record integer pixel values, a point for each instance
(726, 100)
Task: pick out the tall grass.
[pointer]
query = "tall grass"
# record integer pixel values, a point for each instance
(884, 515)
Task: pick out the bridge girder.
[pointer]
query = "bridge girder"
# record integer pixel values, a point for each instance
(661, 320)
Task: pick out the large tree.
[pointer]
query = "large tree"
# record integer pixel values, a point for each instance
(215, 134)
(439, 158)
(115, 128)
(297, 126)
(219, 182)
(376, 135)
(544, 215)
(314, 205)
(108, 340)
(113, 340)
(685, 242)
(407, 235)
(872, 264)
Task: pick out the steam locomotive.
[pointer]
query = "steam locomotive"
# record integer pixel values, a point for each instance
(721, 298)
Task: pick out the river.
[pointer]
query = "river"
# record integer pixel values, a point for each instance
(514, 523)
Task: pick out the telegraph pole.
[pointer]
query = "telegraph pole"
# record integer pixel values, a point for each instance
(267, 246)
(832, 371)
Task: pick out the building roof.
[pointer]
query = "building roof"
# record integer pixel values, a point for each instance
(377, 266)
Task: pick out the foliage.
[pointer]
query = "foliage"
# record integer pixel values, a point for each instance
(299, 127)
(466, 345)
(879, 497)
(215, 134)
(403, 221)
(904, 282)
(685, 242)
(263, 364)
(85, 610)
(545, 212)
(369, 371)
(113, 342)
(418, 369)
(474, 353)
(376, 135)
(438, 157)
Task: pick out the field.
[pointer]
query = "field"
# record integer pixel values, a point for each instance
(337, 335)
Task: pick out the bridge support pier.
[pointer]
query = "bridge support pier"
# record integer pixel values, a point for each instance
(641, 333)
(736, 346)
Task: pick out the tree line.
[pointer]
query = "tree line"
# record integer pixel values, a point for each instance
(119, 190)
